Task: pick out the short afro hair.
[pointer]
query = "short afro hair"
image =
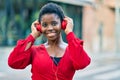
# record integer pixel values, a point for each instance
(50, 8)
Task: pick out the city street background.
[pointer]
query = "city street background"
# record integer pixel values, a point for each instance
(104, 66)
(97, 22)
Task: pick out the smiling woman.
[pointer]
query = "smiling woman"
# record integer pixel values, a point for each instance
(51, 26)
(54, 59)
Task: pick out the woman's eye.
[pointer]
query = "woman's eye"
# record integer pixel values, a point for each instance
(54, 23)
(44, 25)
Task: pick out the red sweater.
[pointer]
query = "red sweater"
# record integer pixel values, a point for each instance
(43, 68)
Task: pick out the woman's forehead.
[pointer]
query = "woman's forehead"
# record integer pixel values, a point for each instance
(50, 16)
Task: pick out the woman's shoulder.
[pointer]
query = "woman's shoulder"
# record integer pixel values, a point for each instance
(41, 46)
(64, 46)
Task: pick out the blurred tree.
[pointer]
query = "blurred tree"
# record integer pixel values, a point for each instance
(9, 16)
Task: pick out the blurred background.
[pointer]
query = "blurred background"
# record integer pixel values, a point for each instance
(97, 22)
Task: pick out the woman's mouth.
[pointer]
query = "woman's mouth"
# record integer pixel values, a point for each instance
(51, 34)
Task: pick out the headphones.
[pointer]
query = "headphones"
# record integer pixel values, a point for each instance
(63, 25)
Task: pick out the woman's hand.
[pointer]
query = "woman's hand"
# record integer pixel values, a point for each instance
(69, 26)
(35, 33)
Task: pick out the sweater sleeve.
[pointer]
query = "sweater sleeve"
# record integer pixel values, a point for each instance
(19, 58)
(78, 55)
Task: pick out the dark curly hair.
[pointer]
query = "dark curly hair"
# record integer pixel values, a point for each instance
(51, 8)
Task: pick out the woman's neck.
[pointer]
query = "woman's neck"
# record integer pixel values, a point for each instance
(56, 47)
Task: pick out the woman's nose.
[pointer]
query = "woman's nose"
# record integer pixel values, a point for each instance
(50, 27)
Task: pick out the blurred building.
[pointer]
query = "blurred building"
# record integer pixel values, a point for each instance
(99, 26)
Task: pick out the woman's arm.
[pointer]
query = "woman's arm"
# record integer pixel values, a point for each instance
(77, 54)
(20, 57)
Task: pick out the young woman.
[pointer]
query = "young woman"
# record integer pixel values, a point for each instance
(55, 59)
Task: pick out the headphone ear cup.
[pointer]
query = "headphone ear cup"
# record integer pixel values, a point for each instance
(38, 27)
(64, 23)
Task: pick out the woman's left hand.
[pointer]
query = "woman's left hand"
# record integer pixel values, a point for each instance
(69, 26)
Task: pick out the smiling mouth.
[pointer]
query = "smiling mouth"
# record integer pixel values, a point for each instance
(51, 34)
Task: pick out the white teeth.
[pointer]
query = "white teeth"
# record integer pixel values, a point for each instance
(51, 34)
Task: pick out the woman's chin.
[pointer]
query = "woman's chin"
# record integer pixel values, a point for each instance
(52, 38)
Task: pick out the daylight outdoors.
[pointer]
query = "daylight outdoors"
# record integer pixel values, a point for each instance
(97, 22)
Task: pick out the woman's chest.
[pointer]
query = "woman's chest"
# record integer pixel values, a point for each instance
(43, 64)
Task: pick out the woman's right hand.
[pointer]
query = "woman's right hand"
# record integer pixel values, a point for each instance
(35, 33)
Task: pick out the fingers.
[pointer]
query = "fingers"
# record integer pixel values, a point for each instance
(68, 19)
(34, 23)
(69, 26)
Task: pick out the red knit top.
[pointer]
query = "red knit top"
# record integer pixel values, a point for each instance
(43, 67)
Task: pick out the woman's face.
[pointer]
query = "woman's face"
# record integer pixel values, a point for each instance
(51, 26)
